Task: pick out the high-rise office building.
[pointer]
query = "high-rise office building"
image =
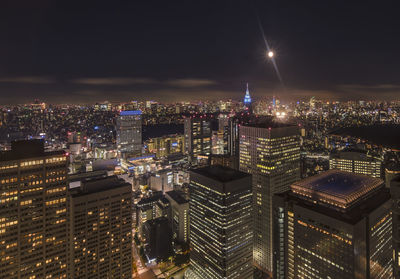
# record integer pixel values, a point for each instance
(179, 217)
(146, 209)
(395, 192)
(198, 134)
(129, 132)
(357, 162)
(223, 127)
(220, 223)
(233, 137)
(271, 153)
(333, 225)
(163, 208)
(33, 212)
(100, 235)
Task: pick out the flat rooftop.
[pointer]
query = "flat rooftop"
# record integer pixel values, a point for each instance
(267, 122)
(336, 188)
(151, 199)
(26, 149)
(177, 197)
(351, 215)
(220, 173)
(100, 185)
(353, 155)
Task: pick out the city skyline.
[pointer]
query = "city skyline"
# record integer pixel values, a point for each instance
(179, 51)
(199, 139)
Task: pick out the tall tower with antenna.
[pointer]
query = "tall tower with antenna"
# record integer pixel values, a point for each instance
(247, 99)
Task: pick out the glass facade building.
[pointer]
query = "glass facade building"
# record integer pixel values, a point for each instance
(271, 153)
(220, 224)
(198, 133)
(129, 131)
(333, 225)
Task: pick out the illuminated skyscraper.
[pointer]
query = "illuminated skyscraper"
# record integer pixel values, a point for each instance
(247, 98)
(333, 225)
(220, 224)
(271, 153)
(357, 162)
(33, 212)
(198, 134)
(395, 192)
(100, 244)
(129, 132)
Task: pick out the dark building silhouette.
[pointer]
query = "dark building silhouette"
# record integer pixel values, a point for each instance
(158, 238)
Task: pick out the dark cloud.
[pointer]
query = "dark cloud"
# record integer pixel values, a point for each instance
(191, 82)
(114, 81)
(27, 79)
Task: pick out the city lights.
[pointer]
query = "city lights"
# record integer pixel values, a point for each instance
(199, 141)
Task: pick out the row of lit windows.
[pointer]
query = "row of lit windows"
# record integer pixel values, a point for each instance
(6, 167)
(9, 180)
(8, 224)
(55, 201)
(56, 159)
(56, 190)
(31, 163)
(324, 232)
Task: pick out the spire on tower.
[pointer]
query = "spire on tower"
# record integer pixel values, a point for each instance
(247, 98)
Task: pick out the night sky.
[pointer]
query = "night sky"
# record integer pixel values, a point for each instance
(89, 51)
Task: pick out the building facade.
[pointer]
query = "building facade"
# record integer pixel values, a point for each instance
(179, 217)
(198, 135)
(162, 181)
(333, 225)
(395, 192)
(129, 132)
(100, 244)
(220, 224)
(271, 153)
(356, 162)
(33, 212)
(165, 146)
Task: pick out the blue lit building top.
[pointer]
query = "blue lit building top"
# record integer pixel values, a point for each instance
(247, 98)
(130, 112)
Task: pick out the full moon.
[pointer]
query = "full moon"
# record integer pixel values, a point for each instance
(270, 54)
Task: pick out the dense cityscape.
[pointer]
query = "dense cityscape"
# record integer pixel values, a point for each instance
(201, 190)
(199, 140)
